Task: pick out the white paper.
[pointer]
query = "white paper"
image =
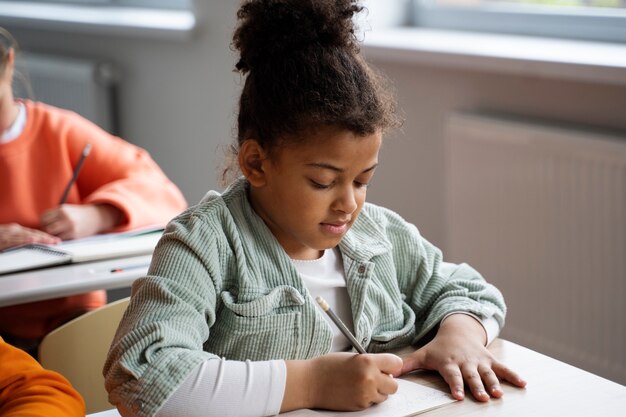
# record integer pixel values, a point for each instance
(111, 247)
(30, 257)
(410, 399)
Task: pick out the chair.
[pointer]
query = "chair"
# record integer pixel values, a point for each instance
(78, 349)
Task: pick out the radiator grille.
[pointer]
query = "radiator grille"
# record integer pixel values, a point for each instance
(540, 210)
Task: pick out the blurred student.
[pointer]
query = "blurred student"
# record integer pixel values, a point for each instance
(28, 390)
(118, 188)
(226, 322)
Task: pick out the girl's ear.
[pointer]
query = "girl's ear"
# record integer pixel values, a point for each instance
(251, 157)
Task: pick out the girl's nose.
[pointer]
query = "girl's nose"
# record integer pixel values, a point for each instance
(346, 201)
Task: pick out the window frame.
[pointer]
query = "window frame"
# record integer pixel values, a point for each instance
(569, 23)
(110, 19)
(148, 4)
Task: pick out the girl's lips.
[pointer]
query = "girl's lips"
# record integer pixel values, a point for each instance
(335, 228)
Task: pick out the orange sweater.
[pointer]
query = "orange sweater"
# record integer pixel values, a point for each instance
(28, 390)
(36, 167)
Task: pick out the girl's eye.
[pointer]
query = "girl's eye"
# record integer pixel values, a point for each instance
(320, 186)
(361, 184)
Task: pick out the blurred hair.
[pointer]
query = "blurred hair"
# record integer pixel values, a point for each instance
(7, 42)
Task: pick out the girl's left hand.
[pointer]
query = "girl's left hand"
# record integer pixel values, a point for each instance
(459, 354)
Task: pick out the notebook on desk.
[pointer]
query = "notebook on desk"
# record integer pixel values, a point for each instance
(104, 246)
(411, 399)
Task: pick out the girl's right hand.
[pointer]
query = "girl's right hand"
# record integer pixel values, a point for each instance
(14, 234)
(341, 381)
(73, 221)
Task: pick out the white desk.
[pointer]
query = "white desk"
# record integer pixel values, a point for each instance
(61, 281)
(554, 389)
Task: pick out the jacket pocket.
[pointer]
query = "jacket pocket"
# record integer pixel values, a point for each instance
(267, 327)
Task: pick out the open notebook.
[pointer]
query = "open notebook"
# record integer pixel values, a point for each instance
(104, 246)
(411, 399)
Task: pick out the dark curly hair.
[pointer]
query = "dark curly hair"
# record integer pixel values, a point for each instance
(302, 69)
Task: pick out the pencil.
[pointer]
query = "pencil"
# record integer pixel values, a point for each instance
(79, 165)
(340, 324)
(128, 268)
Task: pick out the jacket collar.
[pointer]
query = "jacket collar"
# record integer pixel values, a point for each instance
(365, 239)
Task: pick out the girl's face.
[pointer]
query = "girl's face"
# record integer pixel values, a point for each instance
(312, 193)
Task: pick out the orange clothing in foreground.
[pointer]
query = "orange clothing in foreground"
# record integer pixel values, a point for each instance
(28, 390)
(36, 167)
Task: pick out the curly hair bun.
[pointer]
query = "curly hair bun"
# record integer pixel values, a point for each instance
(272, 28)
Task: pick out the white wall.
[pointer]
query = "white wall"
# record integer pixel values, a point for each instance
(410, 177)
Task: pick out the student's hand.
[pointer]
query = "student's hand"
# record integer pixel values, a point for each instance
(341, 381)
(72, 221)
(14, 234)
(459, 354)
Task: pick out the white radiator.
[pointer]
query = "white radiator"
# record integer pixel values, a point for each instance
(82, 85)
(540, 210)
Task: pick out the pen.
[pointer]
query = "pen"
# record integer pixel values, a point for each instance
(128, 268)
(79, 165)
(340, 324)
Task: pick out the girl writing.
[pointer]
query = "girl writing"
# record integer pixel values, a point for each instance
(119, 188)
(226, 321)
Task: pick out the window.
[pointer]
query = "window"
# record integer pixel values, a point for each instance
(603, 20)
(161, 4)
(165, 19)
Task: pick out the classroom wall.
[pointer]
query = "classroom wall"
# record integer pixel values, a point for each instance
(413, 182)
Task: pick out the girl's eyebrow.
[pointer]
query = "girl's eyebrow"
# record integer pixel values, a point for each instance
(324, 165)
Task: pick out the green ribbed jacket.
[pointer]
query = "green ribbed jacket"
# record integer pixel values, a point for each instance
(221, 285)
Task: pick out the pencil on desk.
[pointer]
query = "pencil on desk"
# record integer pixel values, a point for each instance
(324, 305)
(128, 268)
(79, 165)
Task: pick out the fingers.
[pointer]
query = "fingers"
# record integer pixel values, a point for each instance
(15, 234)
(503, 372)
(61, 228)
(389, 364)
(37, 236)
(412, 362)
(474, 382)
(378, 383)
(453, 377)
(352, 382)
(56, 222)
(490, 381)
(387, 385)
(382, 366)
(457, 377)
(50, 216)
(482, 380)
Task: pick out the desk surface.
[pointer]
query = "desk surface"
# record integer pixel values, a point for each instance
(61, 281)
(554, 389)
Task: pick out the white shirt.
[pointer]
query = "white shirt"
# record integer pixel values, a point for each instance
(17, 127)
